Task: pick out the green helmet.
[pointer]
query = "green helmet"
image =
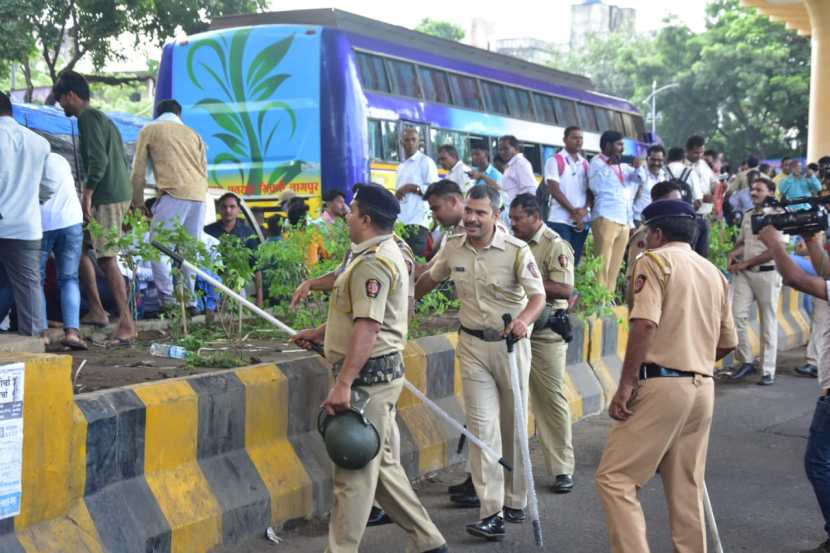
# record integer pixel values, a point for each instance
(352, 441)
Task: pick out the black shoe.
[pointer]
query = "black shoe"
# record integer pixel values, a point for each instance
(490, 528)
(823, 548)
(564, 483)
(766, 380)
(515, 516)
(809, 370)
(466, 499)
(442, 549)
(745, 370)
(466, 487)
(378, 517)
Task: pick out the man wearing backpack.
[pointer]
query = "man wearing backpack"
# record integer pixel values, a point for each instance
(692, 192)
(566, 176)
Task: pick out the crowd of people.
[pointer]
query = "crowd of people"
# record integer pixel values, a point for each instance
(47, 222)
(510, 246)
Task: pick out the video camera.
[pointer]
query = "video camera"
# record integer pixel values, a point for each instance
(793, 221)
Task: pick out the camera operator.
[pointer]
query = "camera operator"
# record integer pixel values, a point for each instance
(817, 456)
(755, 280)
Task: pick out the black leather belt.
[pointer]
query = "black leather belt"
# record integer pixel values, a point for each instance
(763, 268)
(377, 370)
(652, 370)
(488, 334)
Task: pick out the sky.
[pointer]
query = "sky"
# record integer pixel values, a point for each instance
(549, 21)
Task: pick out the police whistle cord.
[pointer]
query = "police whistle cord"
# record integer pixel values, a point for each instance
(180, 261)
(710, 519)
(521, 423)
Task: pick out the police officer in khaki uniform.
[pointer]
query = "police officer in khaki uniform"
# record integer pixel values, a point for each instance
(756, 280)
(364, 338)
(555, 259)
(666, 190)
(680, 325)
(494, 273)
(325, 283)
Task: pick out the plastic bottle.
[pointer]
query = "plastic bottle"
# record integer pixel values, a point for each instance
(166, 350)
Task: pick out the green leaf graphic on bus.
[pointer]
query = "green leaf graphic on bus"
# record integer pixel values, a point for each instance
(237, 92)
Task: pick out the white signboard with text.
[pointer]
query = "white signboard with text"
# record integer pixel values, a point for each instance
(11, 438)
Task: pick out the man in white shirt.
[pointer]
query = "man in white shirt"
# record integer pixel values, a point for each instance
(458, 172)
(518, 173)
(694, 192)
(695, 148)
(23, 184)
(566, 175)
(649, 175)
(613, 185)
(415, 174)
(63, 235)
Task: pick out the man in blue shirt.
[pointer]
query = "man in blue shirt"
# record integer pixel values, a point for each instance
(798, 185)
(483, 171)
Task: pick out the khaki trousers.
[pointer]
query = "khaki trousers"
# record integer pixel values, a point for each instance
(488, 401)
(383, 479)
(610, 240)
(764, 288)
(549, 403)
(669, 432)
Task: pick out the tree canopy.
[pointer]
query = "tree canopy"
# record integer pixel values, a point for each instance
(743, 82)
(62, 32)
(441, 29)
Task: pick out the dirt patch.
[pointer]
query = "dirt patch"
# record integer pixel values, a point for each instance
(107, 366)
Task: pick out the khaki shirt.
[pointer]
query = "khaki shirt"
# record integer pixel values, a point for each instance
(373, 284)
(555, 258)
(491, 282)
(409, 259)
(688, 299)
(752, 244)
(179, 159)
(740, 181)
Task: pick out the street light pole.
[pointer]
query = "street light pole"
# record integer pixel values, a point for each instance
(653, 97)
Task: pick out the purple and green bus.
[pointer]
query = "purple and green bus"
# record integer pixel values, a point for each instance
(316, 100)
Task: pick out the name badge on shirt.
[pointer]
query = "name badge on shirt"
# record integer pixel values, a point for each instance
(458, 269)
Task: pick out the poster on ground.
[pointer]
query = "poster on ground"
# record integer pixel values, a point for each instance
(11, 438)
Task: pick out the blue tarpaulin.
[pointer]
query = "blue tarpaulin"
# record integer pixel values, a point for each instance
(51, 120)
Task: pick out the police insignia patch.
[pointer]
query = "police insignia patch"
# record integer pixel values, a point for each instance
(639, 283)
(533, 270)
(563, 261)
(372, 288)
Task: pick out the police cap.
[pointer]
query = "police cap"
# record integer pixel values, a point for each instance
(379, 198)
(662, 209)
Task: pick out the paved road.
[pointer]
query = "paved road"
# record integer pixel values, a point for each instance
(762, 500)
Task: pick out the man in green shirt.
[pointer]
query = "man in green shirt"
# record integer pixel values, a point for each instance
(106, 197)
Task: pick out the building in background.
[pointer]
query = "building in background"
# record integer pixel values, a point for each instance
(597, 17)
(528, 49)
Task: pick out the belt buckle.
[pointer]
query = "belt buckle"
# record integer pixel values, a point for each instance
(490, 335)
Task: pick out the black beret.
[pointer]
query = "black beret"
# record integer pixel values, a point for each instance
(376, 196)
(667, 208)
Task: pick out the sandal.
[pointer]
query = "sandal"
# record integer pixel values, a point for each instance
(75, 344)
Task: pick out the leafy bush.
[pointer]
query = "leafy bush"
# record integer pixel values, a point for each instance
(594, 298)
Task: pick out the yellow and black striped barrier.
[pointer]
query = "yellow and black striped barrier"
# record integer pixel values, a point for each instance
(186, 464)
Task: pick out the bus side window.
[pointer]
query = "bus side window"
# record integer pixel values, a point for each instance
(373, 72)
(375, 139)
(587, 119)
(389, 134)
(496, 99)
(441, 137)
(566, 113)
(533, 155)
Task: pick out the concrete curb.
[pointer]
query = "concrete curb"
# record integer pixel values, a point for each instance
(186, 464)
